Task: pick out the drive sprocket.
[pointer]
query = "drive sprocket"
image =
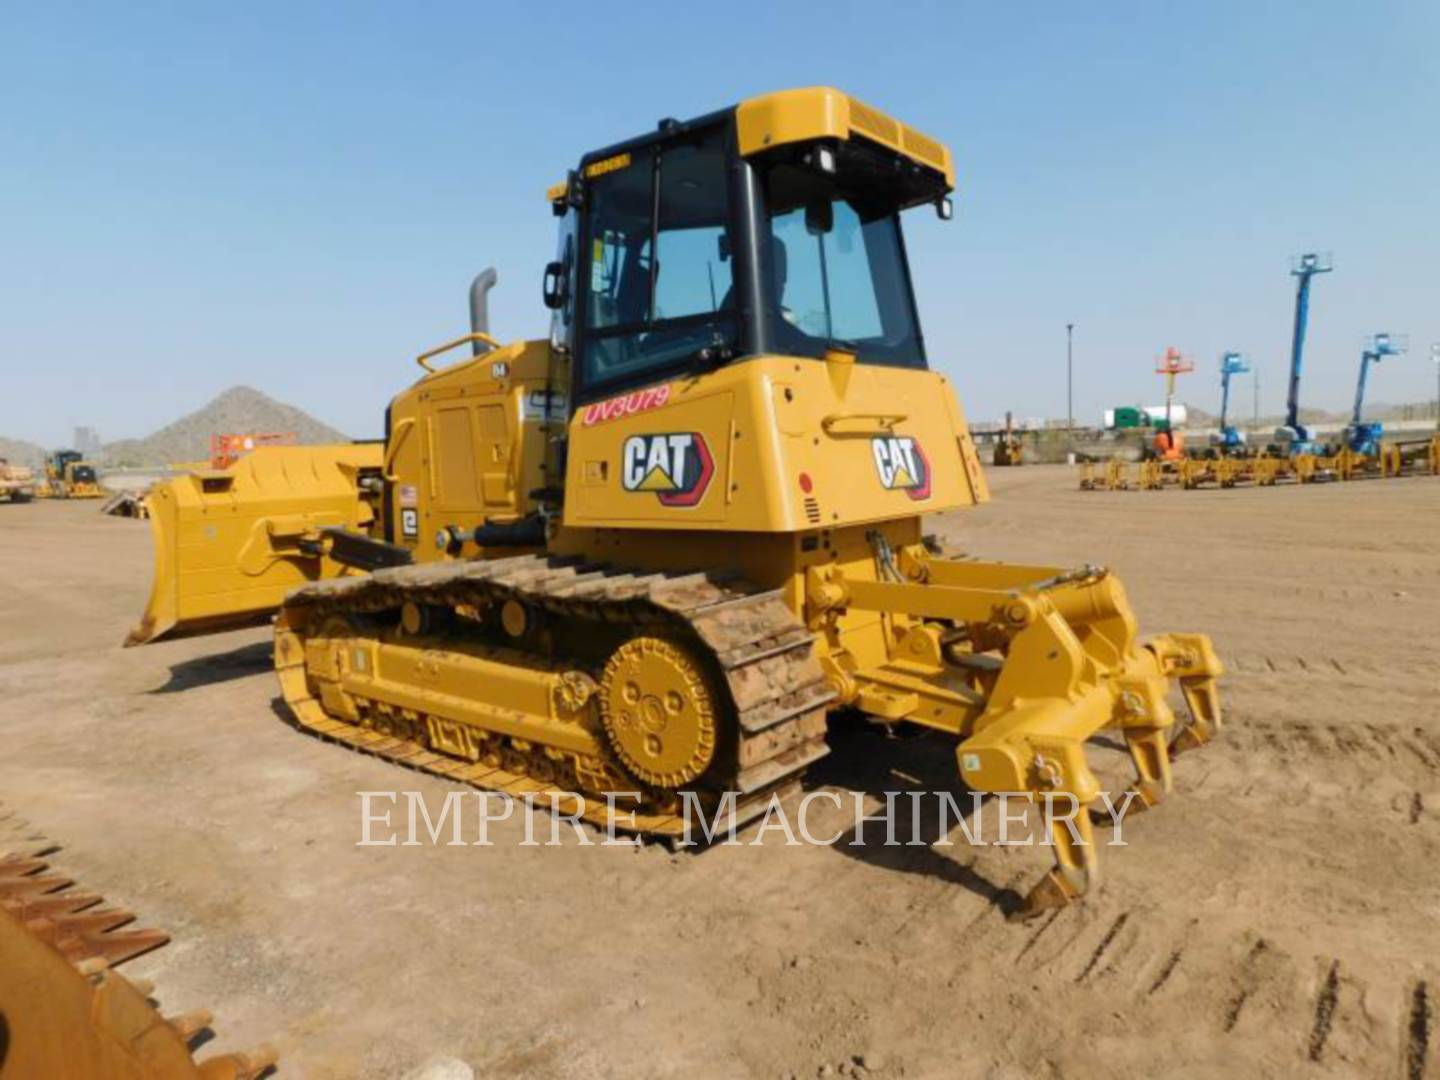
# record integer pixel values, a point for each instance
(659, 712)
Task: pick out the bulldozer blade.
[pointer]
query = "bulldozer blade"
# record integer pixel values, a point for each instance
(230, 543)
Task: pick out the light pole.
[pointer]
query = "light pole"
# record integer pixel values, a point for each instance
(1255, 400)
(1070, 385)
(1435, 355)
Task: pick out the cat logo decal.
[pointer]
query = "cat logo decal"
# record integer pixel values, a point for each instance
(902, 465)
(676, 466)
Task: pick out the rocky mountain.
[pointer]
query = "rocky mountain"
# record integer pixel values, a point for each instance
(20, 452)
(238, 410)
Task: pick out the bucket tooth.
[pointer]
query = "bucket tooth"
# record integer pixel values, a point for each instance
(12, 865)
(92, 922)
(24, 844)
(49, 905)
(21, 886)
(188, 1025)
(246, 1066)
(114, 947)
(92, 967)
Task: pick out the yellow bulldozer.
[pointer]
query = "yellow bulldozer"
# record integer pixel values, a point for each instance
(656, 550)
(69, 476)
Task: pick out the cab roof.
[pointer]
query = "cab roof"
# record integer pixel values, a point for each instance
(802, 115)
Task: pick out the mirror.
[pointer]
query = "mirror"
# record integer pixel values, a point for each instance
(819, 217)
(554, 286)
(944, 208)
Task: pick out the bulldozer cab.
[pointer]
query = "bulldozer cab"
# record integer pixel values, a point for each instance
(61, 460)
(769, 228)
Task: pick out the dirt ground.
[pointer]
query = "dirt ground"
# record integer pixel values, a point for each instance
(1278, 916)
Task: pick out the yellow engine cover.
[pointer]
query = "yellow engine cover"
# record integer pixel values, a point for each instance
(772, 444)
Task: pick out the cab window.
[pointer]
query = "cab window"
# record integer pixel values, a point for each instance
(838, 277)
(659, 277)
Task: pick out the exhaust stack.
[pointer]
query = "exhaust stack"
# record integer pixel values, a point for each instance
(480, 288)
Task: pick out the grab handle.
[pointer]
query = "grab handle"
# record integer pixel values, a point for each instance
(479, 335)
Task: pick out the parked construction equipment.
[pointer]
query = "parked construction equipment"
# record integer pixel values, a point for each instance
(69, 476)
(654, 551)
(1009, 449)
(1391, 458)
(228, 448)
(1361, 437)
(1230, 441)
(1294, 436)
(129, 504)
(17, 483)
(1295, 455)
(1169, 443)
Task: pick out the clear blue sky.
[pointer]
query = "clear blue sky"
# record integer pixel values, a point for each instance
(295, 196)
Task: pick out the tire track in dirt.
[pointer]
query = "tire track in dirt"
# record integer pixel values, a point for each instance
(1336, 1029)
(1247, 982)
(1035, 937)
(1348, 671)
(1377, 742)
(1105, 942)
(1417, 1032)
(1325, 1003)
(1166, 970)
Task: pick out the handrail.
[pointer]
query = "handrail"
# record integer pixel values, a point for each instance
(884, 422)
(396, 438)
(478, 335)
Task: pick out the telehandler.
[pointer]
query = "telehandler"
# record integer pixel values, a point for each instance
(653, 552)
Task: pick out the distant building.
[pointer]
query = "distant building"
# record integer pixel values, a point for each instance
(87, 441)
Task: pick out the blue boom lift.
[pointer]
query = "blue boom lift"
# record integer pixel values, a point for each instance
(1361, 437)
(1294, 434)
(1230, 441)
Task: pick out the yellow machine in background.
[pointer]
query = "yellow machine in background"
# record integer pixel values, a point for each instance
(1009, 446)
(17, 482)
(656, 551)
(69, 476)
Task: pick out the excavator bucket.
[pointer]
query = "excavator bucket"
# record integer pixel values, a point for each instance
(230, 543)
(64, 1012)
